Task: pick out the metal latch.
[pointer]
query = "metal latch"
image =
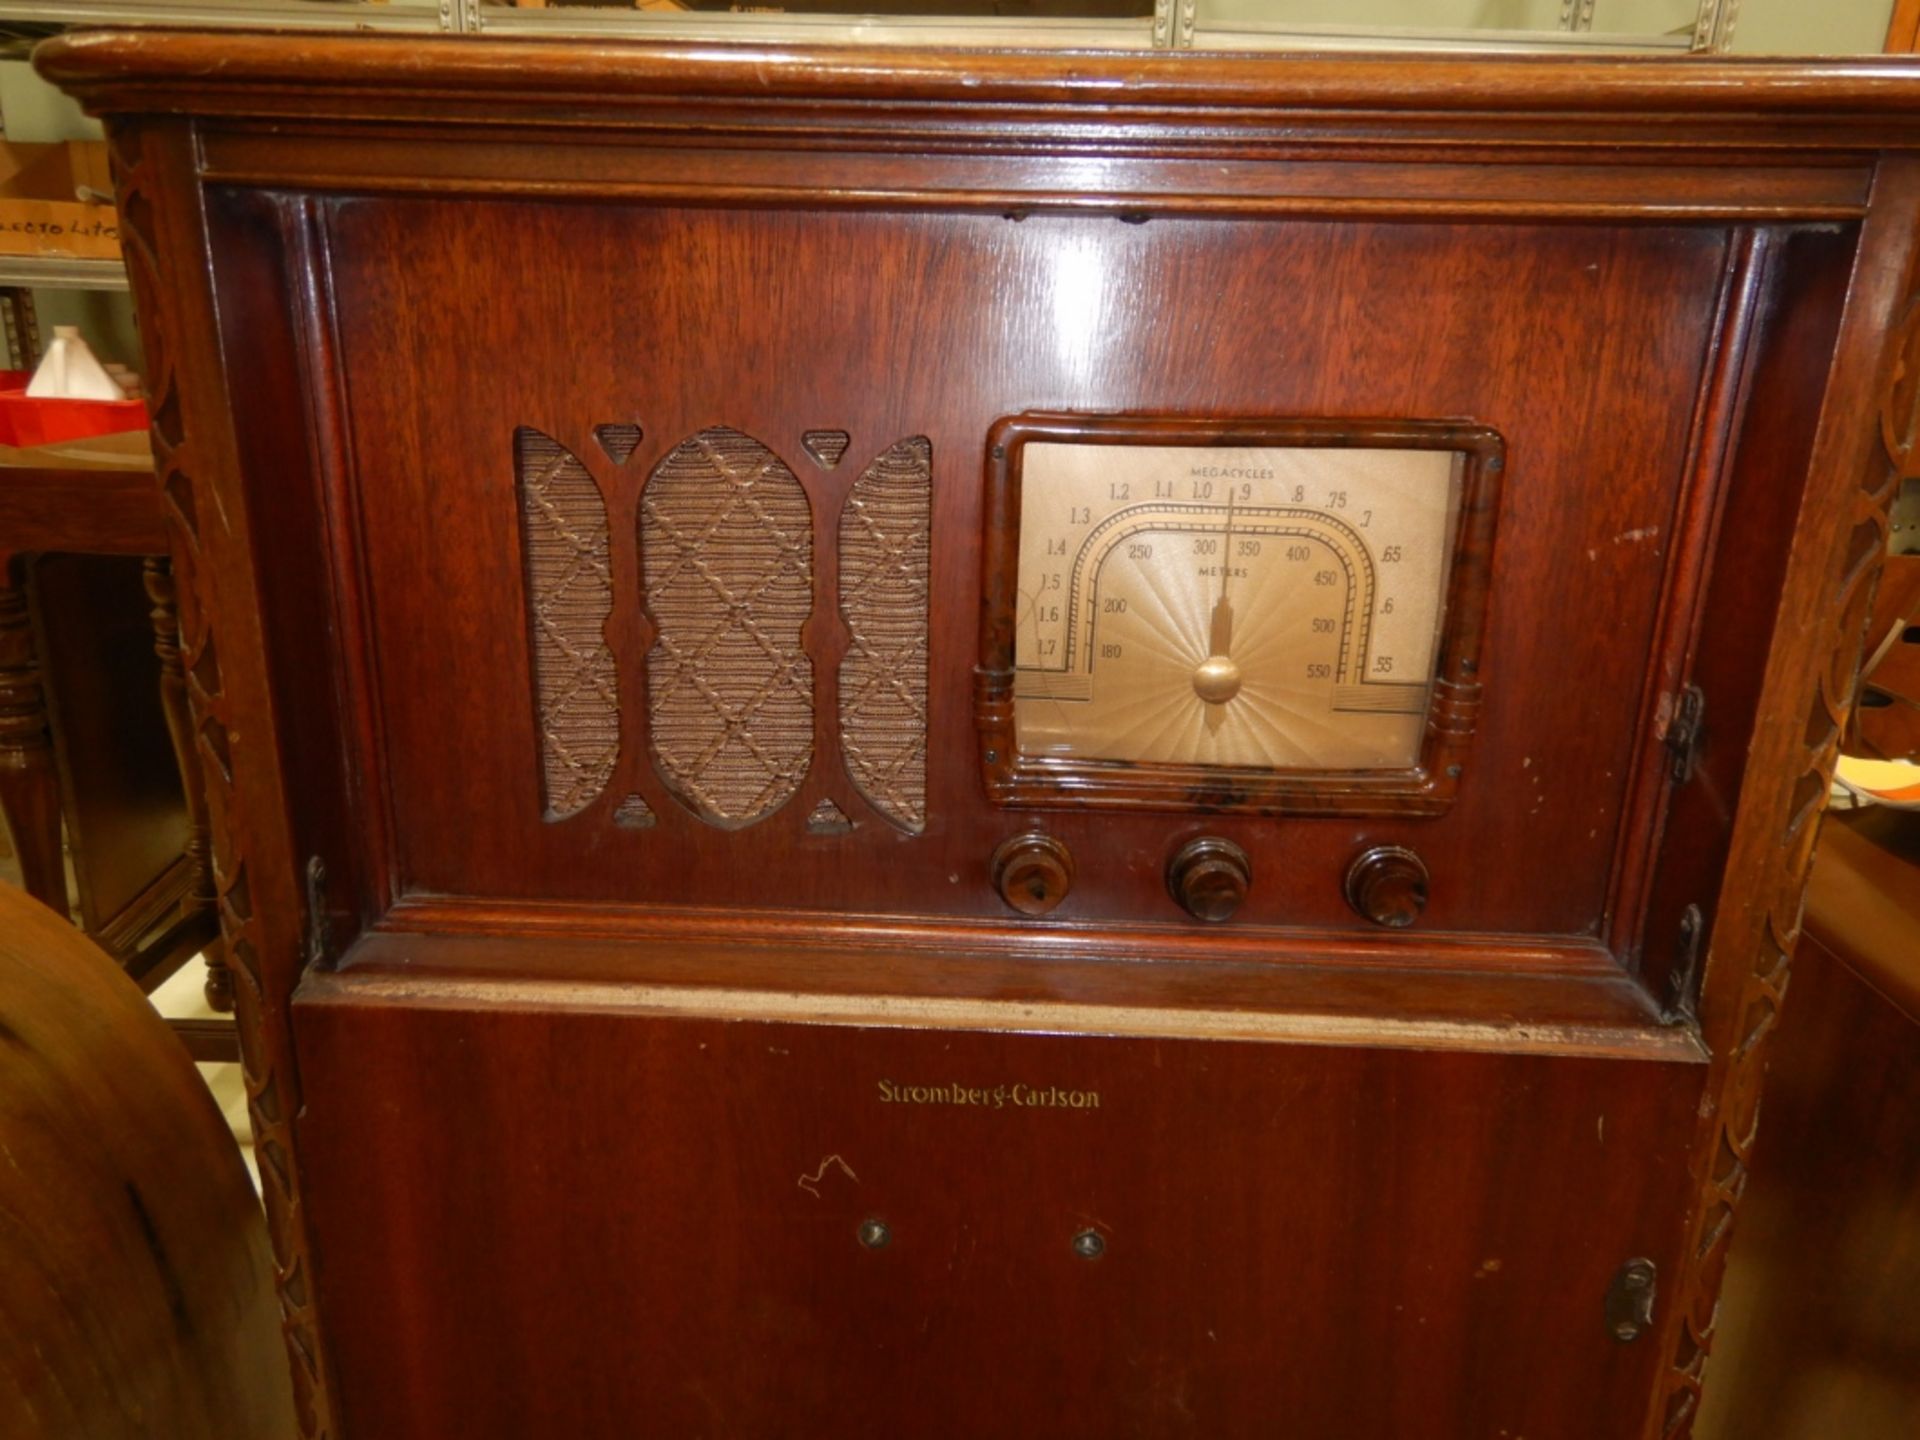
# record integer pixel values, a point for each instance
(1630, 1300)
(1683, 733)
(319, 924)
(1683, 976)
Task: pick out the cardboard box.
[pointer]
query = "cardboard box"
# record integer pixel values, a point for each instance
(41, 212)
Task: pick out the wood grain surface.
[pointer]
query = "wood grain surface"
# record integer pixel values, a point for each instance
(1279, 1222)
(961, 314)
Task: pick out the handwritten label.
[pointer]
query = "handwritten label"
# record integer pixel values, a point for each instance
(61, 229)
(1017, 1096)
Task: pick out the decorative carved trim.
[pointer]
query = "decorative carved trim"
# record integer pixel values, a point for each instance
(1832, 676)
(270, 1093)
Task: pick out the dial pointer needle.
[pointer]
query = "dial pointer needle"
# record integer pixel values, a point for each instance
(1221, 643)
(1217, 680)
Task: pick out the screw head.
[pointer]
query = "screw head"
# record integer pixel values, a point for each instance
(874, 1234)
(1089, 1244)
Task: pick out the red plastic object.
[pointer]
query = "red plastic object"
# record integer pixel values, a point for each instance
(25, 422)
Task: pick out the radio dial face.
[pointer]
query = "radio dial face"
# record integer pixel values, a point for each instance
(1274, 607)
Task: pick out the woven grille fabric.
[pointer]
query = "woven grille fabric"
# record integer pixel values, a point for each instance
(563, 523)
(726, 551)
(884, 567)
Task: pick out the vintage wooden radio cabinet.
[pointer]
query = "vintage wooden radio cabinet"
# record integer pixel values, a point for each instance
(971, 745)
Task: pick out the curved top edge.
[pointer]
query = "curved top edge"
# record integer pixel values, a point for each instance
(189, 72)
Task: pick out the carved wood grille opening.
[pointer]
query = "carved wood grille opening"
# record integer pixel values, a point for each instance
(826, 446)
(563, 523)
(884, 565)
(726, 554)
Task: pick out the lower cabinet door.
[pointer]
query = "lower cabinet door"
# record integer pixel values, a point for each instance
(532, 1218)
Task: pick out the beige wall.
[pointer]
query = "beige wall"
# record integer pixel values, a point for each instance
(1780, 27)
(1810, 27)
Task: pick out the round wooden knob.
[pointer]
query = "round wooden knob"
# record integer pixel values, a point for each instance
(1209, 877)
(1388, 885)
(1032, 872)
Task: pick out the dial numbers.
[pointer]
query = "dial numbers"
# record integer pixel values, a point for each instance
(1273, 607)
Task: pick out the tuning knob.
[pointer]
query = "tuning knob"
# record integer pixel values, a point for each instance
(1388, 885)
(1032, 872)
(1209, 877)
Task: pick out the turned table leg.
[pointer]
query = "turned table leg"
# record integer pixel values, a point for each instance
(29, 787)
(158, 576)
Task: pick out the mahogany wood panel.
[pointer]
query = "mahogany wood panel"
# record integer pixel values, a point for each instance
(674, 319)
(681, 1252)
(1286, 171)
(1683, 295)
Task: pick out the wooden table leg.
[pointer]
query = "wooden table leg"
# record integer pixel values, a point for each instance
(29, 787)
(158, 575)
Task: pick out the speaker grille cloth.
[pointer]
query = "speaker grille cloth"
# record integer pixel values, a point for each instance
(884, 561)
(563, 525)
(727, 558)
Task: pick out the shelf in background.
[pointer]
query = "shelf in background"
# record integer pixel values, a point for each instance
(66, 274)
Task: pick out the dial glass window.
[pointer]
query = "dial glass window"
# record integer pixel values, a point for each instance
(1275, 607)
(1276, 602)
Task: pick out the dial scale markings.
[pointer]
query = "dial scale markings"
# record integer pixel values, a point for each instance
(1259, 606)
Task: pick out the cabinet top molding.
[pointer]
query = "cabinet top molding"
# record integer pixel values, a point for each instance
(1828, 103)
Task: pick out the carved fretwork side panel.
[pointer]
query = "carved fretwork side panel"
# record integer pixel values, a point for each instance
(563, 526)
(259, 900)
(726, 552)
(885, 557)
(1779, 839)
